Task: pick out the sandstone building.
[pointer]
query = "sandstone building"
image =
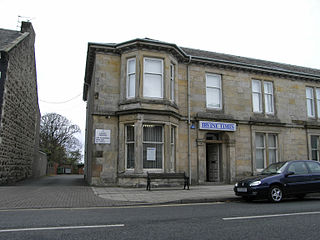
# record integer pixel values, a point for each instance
(19, 110)
(154, 106)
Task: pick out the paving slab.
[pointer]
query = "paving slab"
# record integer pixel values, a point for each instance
(71, 191)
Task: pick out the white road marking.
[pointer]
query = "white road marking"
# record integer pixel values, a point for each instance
(270, 216)
(59, 228)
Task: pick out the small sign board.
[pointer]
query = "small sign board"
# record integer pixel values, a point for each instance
(102, 136)
(217, 126)
(151, 154)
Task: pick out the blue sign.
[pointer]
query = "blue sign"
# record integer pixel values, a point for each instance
(218, 126)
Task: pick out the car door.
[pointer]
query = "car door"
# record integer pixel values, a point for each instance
(299, 181)
(314, 168)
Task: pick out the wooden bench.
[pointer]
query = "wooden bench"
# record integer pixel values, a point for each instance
(151, 176)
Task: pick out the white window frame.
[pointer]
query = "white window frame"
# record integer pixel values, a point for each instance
(129, 75)
(266, 95)
(172, 82)
(156, 143)
(219, 88)
(126, 146)
(257, 93)
(266, 149)
(145, 74)
(310, 99)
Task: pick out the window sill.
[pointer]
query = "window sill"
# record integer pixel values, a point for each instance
(149, 101)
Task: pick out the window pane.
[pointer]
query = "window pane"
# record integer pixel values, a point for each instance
(259, 158)
(153, 66)
(256, 102)
(314, 155)
(213, 98)
(130, 155)
(314, 142)
(152, 155)
(272, 156)
(130, 133)
(256, 86)
(272, 140)
(152, 85)
(314, 167)
(259, 140)
(309, 92)
(213, 81)
(131, 85)
(131, 66)
(268, 87)
(310, 107)
(269, 103)
(152, 133)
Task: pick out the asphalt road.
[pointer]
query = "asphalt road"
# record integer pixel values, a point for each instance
(290, 219)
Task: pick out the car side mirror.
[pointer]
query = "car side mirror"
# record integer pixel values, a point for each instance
(289, 173)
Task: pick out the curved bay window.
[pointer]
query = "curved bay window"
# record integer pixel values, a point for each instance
(152, 146)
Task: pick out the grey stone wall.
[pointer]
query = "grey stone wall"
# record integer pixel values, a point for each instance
(20, 113)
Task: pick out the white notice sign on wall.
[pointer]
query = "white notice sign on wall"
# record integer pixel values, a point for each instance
(151, 154)
(102, 136)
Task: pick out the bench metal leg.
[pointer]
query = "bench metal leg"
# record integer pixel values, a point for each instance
(148, 184)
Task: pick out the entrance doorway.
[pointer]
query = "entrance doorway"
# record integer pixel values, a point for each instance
(213, 162)
(213, 157)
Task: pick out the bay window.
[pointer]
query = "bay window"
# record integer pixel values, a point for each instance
(130, 154)
(131, 78)
(152, 146)
(153, 78)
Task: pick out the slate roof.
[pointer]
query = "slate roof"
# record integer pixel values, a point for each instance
(8, 38)
(250, 61)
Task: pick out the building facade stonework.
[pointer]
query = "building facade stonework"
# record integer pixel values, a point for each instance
(20, 114)
(156, 107)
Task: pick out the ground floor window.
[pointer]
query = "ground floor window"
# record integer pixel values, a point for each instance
(266, 149)
(152, 146)
(173, 148)
(315, 148)
(130, 146)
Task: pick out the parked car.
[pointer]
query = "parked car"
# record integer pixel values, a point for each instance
(282, 179)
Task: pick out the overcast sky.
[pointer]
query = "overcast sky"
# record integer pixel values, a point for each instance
(286, 31)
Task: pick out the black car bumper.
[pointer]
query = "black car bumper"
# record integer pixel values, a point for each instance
(259, 191)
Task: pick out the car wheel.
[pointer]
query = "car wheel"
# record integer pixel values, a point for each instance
(275, 194)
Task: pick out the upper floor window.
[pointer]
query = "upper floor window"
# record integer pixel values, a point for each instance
(213, 91)
(131, 78)
(172, 82)
(153, 78)
(312, 101)
(257, 93)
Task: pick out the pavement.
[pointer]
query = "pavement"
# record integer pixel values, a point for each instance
(71, 191)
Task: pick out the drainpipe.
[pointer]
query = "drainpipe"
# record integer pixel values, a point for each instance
(189, 121)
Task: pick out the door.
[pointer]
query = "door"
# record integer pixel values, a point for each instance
(300, 179)
(213, 163)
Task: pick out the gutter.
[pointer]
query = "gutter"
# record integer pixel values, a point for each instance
(189, 120)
